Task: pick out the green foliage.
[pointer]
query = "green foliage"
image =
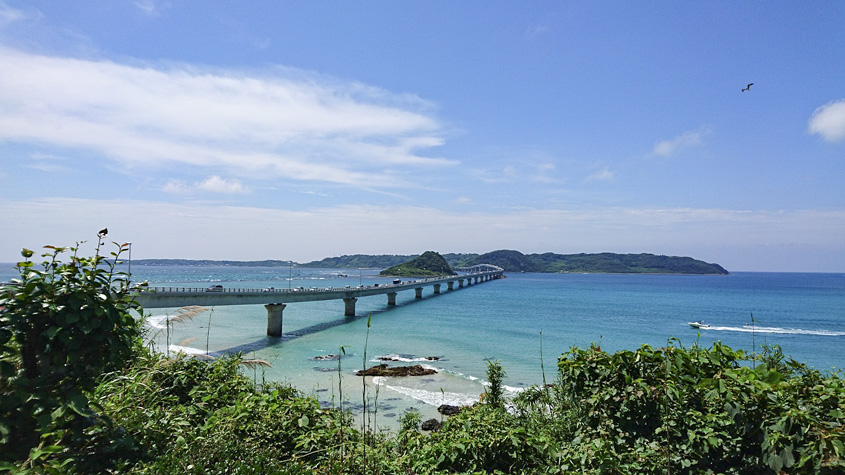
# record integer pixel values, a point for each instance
(61, 326)
(515, 261)
(650, 411)
(494, 393)
(383, 261)
(699, 410)
(428, 264)
(197, 416)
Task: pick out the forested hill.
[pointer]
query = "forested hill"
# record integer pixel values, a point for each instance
(511, 261)
(382, 261)
(515, 261)
(606, 262)
(429, 264)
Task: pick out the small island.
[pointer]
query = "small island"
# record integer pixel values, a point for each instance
(429, 264)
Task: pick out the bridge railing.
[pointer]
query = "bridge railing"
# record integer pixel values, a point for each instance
(463, 273)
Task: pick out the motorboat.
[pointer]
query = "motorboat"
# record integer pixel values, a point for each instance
(699, 324)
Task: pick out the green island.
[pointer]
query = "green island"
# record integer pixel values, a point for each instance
(428, 264)
(510, 261)
(81, 393)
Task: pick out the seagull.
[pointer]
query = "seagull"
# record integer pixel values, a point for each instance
(748, 87)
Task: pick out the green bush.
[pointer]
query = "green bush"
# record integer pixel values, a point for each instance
(197, 416)
(61, 326)
(675, 410)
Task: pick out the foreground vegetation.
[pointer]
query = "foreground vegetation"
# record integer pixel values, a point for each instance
(132, 410)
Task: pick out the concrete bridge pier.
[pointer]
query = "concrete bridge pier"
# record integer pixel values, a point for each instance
(391, 298)
(418, 292)
(450, 285)
(274, 318)
(460, 283)
(349, 311)
(436, 289)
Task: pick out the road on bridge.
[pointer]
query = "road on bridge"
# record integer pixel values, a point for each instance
(275, 300)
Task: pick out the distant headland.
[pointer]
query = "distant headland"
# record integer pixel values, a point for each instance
(511, 261)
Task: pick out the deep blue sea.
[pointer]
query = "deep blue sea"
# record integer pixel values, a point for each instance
(508, 320)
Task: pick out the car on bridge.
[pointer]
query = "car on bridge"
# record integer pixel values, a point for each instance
(215, 288)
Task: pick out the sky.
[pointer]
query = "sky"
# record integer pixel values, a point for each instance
(298, 130)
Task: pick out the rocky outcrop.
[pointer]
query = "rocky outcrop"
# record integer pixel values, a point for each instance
(384, 370)
(431, 425)
(448, 410)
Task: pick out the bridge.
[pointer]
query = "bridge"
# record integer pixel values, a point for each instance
(275, 300)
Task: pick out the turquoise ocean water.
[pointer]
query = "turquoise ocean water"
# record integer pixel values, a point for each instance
(505, 320)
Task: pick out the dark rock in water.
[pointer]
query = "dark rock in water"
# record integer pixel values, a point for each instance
(432, 425)
(448, 410)
(432, 358)
(384, 370)
(324, 370)
(322, 390)
(387, 358)
(325, 358)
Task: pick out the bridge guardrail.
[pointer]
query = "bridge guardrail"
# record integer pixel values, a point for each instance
(179, 289)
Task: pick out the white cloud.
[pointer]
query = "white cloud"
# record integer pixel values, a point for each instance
(605, 174)
(527, 170)
(9, 15)
(288, 124)
(219, 185)
(536, 30)
(687, 139)
(828, 121)
(213, 184)
(176, 187)
(204, 230)
(149, 7)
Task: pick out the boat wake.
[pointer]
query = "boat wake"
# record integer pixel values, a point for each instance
(790, 331)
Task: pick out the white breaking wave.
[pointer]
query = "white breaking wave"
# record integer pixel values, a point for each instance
(432, 398)
(156, 321)
(507, 388)
(400, 358)
(794, 331)
(186, 349)
(461, 375)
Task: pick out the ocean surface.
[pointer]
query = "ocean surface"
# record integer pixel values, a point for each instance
(525, 322)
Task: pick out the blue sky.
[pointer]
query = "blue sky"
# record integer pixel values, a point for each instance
(301, 130)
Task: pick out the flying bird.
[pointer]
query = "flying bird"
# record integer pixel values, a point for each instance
(748, 87)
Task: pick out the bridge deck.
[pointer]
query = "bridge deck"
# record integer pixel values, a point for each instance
(164, 297)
